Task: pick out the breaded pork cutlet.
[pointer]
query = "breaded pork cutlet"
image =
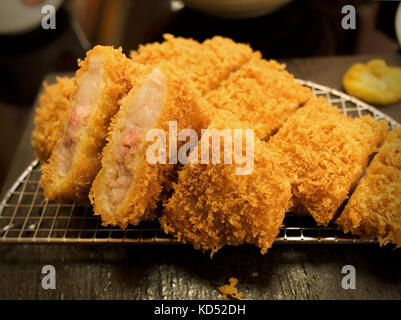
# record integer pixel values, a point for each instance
(103, 78)
(207, 63)
(374, 209)
(50, 115)
(324, 154)
(129, 185)
(212, 205)
(261, 93)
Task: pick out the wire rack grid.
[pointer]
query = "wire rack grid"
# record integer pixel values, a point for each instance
(26, 216)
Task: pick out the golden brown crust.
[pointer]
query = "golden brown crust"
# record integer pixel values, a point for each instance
(324, 153)
(213, 206)
(182, 104)
(50, 115)
(233, 77)
(206, 64)
(261, 93)
(374, 209)
(117, 70)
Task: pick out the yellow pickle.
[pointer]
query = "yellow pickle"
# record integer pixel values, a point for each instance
(374, 82)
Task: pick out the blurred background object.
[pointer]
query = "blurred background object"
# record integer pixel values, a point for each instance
(279, 29)
(22, 16)
(236, 9)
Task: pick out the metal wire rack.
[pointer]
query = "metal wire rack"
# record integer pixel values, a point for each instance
(27, 217)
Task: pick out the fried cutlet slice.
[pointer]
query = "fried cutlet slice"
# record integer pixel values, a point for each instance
(129, 185)
(213, 205)
(207, 63)
(50, 115)
(325, 153)
(261, 93)
(374, 209)
(103, 78)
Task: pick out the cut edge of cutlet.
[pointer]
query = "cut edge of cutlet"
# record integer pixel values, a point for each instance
(354, 186)
(376, 201)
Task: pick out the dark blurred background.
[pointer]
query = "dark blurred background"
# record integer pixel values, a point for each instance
(299, 28)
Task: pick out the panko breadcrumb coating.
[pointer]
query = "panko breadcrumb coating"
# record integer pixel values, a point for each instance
(128, 187)
(230, 290)
(261, 93)
(103, 78)
(325, 153)
(50, 115)
(374, 209)
(206, 64)
(212, 206)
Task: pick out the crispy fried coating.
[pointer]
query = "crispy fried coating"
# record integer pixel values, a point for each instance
(230, 290)
(206, 64)
(212, 206)
(183, 104)
(115, 71)
(232, 77)
(325, 153)
(261, 93)
(50, 115)
(374, 209)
